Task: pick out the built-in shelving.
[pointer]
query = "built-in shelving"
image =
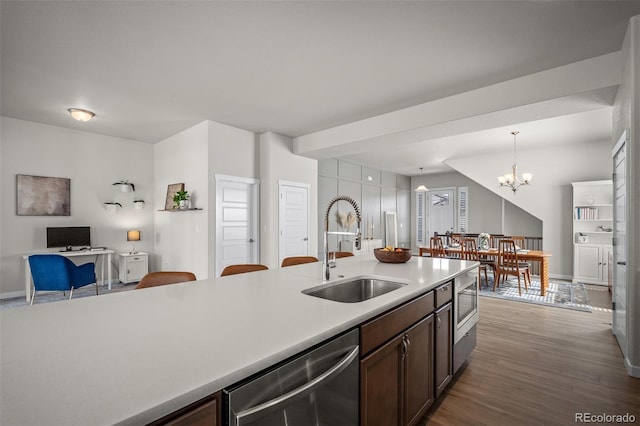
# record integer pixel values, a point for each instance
(592, 230)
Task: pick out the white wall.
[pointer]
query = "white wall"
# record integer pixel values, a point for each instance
(626, 116)
(181, 238)
(485, 208)
(277, 162)
(92, 162)
(232, 152)
(549, 196)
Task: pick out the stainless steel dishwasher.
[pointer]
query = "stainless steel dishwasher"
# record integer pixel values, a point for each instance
(319, 387)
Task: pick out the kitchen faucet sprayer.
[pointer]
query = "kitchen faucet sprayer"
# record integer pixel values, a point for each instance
(357, 233)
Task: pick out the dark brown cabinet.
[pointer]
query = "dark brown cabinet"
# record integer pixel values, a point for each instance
(443, 348)
(396, 367)
(418, 371)
(206, 412)
(381, 383)
(406, 359)
(396, 380)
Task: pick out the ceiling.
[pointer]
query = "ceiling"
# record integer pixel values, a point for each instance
(151, 69)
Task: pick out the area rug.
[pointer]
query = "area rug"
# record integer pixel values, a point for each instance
(57, 296)
(559, 294)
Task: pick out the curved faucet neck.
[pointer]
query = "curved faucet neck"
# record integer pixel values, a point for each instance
(334, 200)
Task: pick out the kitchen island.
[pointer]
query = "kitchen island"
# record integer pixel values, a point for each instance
(133, 357)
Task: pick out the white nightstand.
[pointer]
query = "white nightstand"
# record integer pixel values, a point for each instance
(133, 266)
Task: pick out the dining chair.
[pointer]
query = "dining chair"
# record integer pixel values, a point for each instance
(339, 254)
(298, 260)
(455, 238)
(242, 268)
(509, 264)
(154, 279)
(520, 243)
(52, 272)
(470, 252)
(436, 247)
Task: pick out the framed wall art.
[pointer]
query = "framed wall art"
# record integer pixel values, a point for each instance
(171, 191)
(43, 196)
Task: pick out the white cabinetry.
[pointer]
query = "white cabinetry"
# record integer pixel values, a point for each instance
(591, 263)
(133, 266)
(592, 226)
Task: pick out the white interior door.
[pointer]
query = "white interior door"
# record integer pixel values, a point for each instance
(441, 210)
(236, 221)
(293, 216)
(620, 243)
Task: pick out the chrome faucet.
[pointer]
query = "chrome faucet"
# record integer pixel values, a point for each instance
(357, 232)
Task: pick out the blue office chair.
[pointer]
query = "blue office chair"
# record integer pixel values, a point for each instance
(52, 272)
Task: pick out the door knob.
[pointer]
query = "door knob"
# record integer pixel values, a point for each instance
(251, 240)
(305, 239)
(622, 263)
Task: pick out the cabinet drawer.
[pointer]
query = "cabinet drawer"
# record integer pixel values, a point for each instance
(444, 294)
(386, 326)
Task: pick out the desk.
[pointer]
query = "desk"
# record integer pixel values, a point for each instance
(531, 256)
(98, 253)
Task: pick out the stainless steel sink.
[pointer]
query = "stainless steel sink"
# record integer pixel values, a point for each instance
(354, 290)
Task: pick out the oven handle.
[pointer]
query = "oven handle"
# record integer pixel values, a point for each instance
(248, 415)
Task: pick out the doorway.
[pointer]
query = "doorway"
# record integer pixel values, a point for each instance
(293, 219)
(441, 205)
(619, 267)
(236, 221)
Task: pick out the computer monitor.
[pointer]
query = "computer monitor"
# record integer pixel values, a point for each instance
(69, 237)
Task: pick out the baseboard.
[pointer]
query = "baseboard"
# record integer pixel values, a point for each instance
(12, 294)
(561, 277)
(632, 370)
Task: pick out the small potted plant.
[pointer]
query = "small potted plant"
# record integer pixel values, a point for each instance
(138, 204)
(112, 206)
(180, 198)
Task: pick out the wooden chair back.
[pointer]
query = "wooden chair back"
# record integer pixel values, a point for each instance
(507, 255)
(436, 247)
(455, 239)
(519, 241)
(339, 254)
(242, 268)
(298, 260)
(154, 279)
(469, 249)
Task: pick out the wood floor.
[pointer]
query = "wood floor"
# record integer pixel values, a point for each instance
(537, 365)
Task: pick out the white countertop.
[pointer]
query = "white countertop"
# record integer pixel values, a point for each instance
(134, 356)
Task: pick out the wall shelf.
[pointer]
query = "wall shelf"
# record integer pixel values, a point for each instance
(180, 210)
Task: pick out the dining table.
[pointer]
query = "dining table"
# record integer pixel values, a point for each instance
(539, 256)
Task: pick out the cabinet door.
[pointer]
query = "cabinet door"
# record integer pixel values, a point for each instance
(443, 348)
(381, 384)
(418, 371)
(206, 412)
(587, 263)
(136, 268)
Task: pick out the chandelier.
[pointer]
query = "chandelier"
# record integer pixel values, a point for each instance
(511, 180)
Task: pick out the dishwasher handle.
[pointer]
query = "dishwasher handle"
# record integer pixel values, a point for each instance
(250, 414)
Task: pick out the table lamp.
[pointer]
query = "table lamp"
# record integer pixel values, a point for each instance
(133, 235)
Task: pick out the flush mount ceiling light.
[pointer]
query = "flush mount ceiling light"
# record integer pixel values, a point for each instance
(81, 114)
(421, 187)
(511, 180)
